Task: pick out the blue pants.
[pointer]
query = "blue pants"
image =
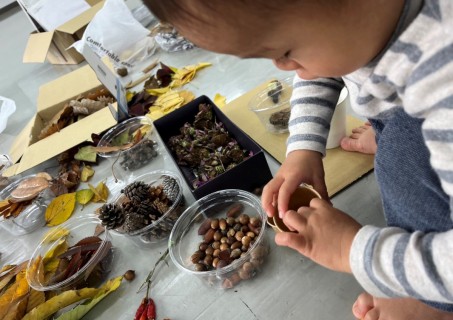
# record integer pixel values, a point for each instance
(412, 196)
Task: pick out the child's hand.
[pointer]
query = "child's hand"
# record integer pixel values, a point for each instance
(324, 234)
(299, 166)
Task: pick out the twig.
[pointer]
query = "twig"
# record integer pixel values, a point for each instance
(148, 280)
(113, 169)
(151, 66)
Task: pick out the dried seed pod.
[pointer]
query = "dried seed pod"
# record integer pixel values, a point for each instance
(209, 235)
(235, 210)
(204, 227)
(197, 256)
(215, 223)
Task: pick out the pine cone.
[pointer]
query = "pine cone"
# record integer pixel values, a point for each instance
(161, 206)
(136, 191)
(147, 209)
(170, 188)
(111, 215)
(134, 222)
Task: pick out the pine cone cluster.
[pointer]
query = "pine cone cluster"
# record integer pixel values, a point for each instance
(141, 205)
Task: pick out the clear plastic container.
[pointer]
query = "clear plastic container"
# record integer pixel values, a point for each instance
(159, 229)
(30, 218)
(90, 274)
(185, 241)
(272, 105)
(125, 162)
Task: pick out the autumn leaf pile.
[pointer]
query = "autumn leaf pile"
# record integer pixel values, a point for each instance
(158, 97)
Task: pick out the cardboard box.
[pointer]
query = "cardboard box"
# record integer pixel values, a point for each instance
(53, 45)
(249, 174)
(52, 98)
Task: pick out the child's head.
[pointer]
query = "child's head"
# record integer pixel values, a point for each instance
(317, 38)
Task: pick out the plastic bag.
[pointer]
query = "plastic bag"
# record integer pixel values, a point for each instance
(170, 40)
(115, 33)
(7, 108)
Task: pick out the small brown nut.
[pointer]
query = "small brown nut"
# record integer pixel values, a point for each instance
(224, 246)
(209, 250)
(244, 219)
(236, 253)
(216, 253)
(255, 221)
(203, 246)
(259, 252)
(215, 262)
(231, 240)
(208, 260)
(236, 245)
(244, 249)
(231, 232)
(235, 210)
(215, 223)
(209, 235)
(224, 240)
(244, 275)
(251, 234)
(230, 221)
(245, 229)
(248, 266)
(246, 241)
(222, 263)
(239, 235)
(215, 245)
(200, 267)
(204, 227)
(225, 255)
(122, 71)
(222, 224)
(217, 236)
(230, 282)
(197, 256)
(129, 275)
(237, 227)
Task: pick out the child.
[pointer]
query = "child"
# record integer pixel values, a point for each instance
(396, 59)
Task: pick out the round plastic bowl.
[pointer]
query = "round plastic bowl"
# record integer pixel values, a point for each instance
(272, 107)
(185, 239)
(160, 229)
(32, 217)
(90, 274)
(138, 155)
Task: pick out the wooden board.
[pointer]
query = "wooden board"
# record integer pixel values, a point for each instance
(341, 167)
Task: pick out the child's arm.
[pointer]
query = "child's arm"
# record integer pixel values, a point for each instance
(312, 106)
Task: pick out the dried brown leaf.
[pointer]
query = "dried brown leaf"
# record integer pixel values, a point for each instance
(58, 122)
(29, 189)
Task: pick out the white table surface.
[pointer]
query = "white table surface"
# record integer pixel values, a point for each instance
(290, 286)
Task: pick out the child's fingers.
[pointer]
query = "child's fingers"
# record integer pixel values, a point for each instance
(284, 194)
(270, 192)
(295, 220)
(292, 240)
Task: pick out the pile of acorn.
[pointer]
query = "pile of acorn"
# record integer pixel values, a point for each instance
(228, 239)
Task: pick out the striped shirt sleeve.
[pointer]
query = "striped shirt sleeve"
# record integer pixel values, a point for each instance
(312, 106)
(392, 262)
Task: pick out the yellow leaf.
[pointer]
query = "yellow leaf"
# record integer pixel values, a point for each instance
(156, 114)
(219, 100)
(51, 259)
(55, 234)
(84, 196)
(35, 299)
(101, 192)
(87, 173)
(187, 96)
(185, 75)
(129, 95)
(60, 209)
(14, 292)
(158, 91)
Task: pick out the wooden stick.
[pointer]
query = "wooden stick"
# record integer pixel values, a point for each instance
(139, 80)
(151, 66)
